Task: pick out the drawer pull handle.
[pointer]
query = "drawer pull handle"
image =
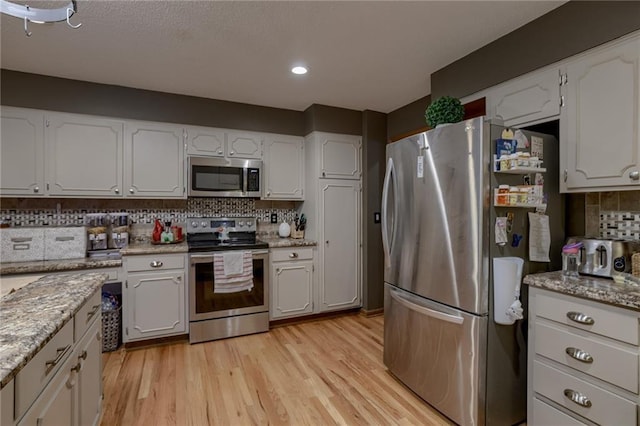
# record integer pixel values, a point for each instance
(293, 255)
(65, 238)
(83, 355)
(578, 398)
(580, 355)
(580, 318)
(93, 311)
(156, 264)
(21, 239)
(52, 363)
(77, 367)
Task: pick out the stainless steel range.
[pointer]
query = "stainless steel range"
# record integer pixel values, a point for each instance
(228, 278)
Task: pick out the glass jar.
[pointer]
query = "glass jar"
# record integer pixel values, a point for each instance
(570, 264)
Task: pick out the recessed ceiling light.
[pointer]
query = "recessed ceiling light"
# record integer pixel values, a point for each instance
(299, 70)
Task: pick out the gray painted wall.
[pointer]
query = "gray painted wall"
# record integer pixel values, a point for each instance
(408, 118)
(60, 94)
(330, 119)
(374, 132)
(567, 30)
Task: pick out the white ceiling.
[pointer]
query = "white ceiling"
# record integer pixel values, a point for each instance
(375, 55)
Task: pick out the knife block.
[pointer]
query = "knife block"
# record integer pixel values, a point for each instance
(297, 234)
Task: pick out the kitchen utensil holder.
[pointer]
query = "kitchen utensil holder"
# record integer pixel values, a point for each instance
(110, 329)
(298, 235)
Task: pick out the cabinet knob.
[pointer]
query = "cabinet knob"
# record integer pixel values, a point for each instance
(635, 175)
(156, 264)
(117, 191)
(220, 151)
(36, 189)
(268, 192)
(293, 255)
(323, 174)
(327, 242)
(131, 191)
(231, 153)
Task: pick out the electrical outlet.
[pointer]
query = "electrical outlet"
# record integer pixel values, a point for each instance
(274, 217)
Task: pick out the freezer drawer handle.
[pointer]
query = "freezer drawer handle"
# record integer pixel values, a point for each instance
(426, 311)
(580, 355)
(65, 238)
(577, 398)
(580, 318)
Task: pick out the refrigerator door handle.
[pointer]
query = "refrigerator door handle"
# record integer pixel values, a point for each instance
(386, 239)
(398, 297)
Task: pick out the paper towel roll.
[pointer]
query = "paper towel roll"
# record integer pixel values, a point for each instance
(507, 275)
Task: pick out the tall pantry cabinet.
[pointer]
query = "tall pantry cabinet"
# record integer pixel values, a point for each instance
(333, 204)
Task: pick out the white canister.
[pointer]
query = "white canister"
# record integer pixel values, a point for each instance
(284, 230)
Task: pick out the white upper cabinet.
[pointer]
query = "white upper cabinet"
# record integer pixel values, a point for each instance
(22, 152)
(527, 99)
(600, 135)
(205, 141)
(213, 142)
(154, 160)
(244, 145)
(340, 156)
(283, 167)
(84, 155)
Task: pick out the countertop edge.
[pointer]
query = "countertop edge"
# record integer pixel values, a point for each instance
(596, 289)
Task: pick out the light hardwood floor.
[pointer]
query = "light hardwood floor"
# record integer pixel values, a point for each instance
(317, 373)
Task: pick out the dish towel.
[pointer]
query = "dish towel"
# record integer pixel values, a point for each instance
(232, 272)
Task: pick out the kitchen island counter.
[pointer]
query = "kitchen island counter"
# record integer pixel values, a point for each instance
(587, 287)
(277, 242)
(32, 315)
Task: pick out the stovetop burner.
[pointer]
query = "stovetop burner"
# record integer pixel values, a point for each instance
(222, 233)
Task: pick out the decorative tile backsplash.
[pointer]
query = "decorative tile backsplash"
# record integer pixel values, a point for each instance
(58, 212)
(620, 225)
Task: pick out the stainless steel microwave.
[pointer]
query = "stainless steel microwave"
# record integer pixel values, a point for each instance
(221, 177)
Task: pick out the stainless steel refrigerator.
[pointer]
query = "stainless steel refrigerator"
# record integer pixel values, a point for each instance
(440, 338)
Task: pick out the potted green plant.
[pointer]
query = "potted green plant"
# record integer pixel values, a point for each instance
(445, 109)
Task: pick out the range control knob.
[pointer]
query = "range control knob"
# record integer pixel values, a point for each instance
(241, 223)
(194, 224)
(249, 223)
(619, 264)
(203, 224)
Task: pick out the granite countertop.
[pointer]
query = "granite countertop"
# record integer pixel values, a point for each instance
(32, 315)
(148, 248)
(277, 242)
(45, 266)
(598, 289)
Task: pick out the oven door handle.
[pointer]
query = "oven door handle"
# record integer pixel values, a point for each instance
(245, 178)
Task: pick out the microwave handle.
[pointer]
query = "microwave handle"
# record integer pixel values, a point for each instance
(245, 178)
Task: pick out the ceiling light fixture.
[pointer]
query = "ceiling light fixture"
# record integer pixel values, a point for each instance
(39, 16)
(299, 70)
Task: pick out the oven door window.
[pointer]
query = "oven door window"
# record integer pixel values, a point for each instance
(209, 301)
(212, 178)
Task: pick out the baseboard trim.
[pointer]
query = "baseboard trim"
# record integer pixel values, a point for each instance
(371, 312)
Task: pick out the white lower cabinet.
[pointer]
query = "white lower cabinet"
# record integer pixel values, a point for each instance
(292, 271)
(155, 294)
(73, 394)
(583, 361)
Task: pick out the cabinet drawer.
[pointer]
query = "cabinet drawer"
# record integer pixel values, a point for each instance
(612, 363)
(65, 243)
(293, 253)
(546, 415)
(87, 313)
(22, 245)
(154, 263)
(30, 381)
(609, 322)
(605, 407)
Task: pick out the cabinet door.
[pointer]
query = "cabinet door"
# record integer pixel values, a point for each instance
(283, 168)
(527, 99)
(155, 304)
(84, 156)
(90, 376)
(55, 404)
(205, 141)
(244, 145)
(599, 126)
(340, 156)
(154, 161)
(292, 289)
(340, 245)
(22, 152)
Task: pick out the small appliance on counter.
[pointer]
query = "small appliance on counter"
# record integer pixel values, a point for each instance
(98, 225)
(119, 230)
(605, 257)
